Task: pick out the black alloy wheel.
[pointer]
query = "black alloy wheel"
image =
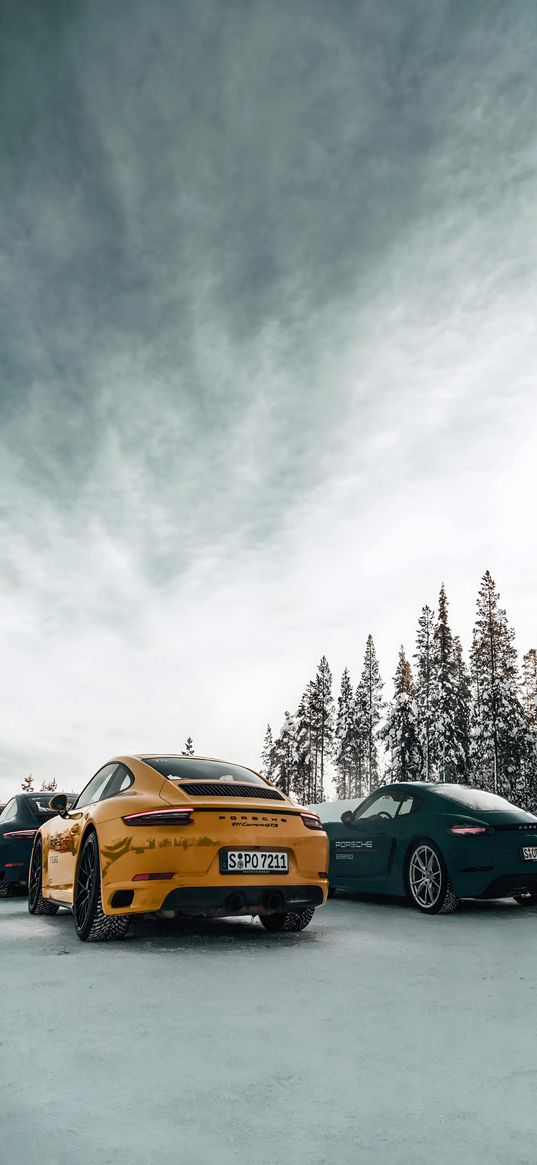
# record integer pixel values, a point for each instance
(5, 887)
(428, 886)
(291, 920)
(36, 903)
(91, 923)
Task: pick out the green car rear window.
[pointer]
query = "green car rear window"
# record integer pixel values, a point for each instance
(476, 799)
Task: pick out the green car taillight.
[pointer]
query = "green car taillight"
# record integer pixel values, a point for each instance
(469, 830)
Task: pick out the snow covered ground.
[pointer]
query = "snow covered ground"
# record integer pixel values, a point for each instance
(376, 1036)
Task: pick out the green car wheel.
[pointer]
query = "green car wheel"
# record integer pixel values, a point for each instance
(429, 887)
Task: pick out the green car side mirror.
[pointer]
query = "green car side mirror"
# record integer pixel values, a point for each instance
(346, 817)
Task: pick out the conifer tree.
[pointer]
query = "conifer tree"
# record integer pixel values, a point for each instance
(361, 743)
(371, 693)
(529, 681)
(48, 786)
(321, 713)
(27, 784)
(499, 733)
(463, 711)
(446, 748)
(284, 756)
(303, 783)
(344, 738)
(189, 748)
(267, 757)
(423, 657)
(400, 732)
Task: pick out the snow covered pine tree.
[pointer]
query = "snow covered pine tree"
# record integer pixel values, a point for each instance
(423, 657)
(370, 693)
(400, 732)
(500, 741)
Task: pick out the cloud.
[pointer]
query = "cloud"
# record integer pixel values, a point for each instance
(267, 361)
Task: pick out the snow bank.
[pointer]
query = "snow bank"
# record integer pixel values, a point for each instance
(332, 810)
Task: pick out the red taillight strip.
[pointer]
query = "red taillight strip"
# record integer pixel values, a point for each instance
(468, 829)
(160, 817)
(21, 833)
(152, 877)
(311, 820)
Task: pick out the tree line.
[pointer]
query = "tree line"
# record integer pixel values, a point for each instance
(449, 719)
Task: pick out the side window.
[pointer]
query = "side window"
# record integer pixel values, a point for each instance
(10, 810)
(385, 804)
(96, 786)
(409, 805)
(119, 781)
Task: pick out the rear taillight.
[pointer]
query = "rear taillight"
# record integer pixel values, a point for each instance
(160, 817)
(311, 820)
(469, 830)
(152, 877)
(26, 833)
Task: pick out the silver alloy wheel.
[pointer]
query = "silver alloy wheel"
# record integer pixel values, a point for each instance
(425, 877)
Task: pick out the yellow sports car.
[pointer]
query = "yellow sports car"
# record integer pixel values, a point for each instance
(179, 834)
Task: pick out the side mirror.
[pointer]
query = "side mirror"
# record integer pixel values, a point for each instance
(346, 817)
(58, 803)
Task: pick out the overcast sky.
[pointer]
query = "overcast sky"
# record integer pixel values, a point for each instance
(268, 356)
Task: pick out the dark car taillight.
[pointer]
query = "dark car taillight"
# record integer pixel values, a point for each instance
(27, 833)
(311, 820)
(160, 817)
(469, 830)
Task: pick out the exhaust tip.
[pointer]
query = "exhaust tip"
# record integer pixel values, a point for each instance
(235, 902)
(273, 900)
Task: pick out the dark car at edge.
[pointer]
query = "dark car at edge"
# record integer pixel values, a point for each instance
(435, 844)
(20, 819)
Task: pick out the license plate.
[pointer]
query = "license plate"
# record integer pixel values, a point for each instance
(529, 853)
(248, 861)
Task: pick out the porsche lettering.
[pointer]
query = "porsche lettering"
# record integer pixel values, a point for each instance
(354, 844)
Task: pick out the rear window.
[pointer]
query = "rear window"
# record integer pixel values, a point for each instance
(476, 799)
(39, 803)
(178, 768)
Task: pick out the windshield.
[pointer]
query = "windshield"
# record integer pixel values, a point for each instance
(476, 799)
(178, 768)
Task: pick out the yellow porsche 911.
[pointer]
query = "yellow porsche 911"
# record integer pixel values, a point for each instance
(178, 834)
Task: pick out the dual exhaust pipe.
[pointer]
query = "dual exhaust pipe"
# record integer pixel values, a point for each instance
(272, 901)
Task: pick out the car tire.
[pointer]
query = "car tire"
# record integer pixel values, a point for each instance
(36, 903)
(528, 899)
(428, 886)
(292, 920)
(92, 925)
(5, 887)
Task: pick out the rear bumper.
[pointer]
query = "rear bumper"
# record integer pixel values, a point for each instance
(489, 883)
(226, 899)
(242, 899)
(506, 885)
(14, 874)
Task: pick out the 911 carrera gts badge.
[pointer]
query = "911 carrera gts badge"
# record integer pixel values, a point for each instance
(356, 843)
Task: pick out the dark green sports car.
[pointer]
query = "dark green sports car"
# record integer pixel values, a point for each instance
(435, 844)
